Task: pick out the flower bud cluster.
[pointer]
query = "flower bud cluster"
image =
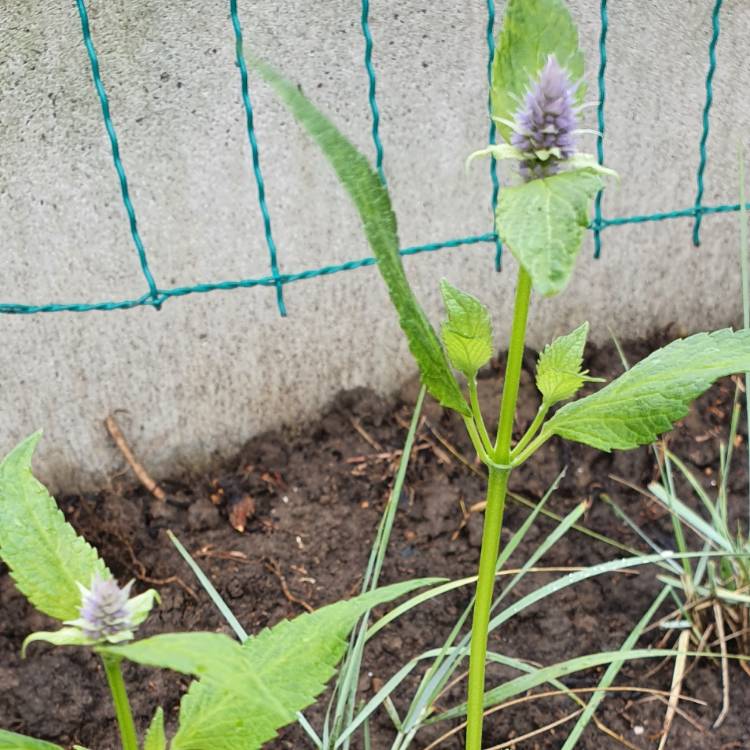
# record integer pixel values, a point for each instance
(104, 611)
(544, 128)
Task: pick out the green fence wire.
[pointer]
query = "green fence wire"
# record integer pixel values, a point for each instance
(156, 296)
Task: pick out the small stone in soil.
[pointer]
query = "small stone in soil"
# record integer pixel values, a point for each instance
(202, 515)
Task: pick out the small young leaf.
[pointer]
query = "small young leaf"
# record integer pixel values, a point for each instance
(649, 398)
(589, 161)
(532, 31)
(498, 151)
(156, 739)
(373, 203)
(467, 334)
(542, 222)
(282, 670)
(62, 637)
(558, 371)
(45, 556)
(139, 607)
(13, 741)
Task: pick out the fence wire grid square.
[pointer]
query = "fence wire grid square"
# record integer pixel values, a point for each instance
(155, 296)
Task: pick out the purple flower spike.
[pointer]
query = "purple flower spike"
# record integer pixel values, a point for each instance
(545, 126)
(104, 612)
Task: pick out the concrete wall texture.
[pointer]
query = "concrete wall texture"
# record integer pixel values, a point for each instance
(208, 371)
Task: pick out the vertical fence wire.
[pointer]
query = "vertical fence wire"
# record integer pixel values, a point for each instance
(116, 158)
(601, 83)
(493, 129)
(260, 184)
(365, 23)
(698, 207)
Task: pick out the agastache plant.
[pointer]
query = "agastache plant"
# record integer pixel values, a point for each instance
(536, 96)
(244, 690)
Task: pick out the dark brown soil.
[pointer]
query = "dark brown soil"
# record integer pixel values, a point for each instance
(317, 498)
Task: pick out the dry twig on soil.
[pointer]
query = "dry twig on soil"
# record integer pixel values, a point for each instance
(122, 444)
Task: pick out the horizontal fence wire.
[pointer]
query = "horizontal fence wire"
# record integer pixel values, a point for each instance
(156, 296)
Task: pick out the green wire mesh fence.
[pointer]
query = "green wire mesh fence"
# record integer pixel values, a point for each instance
(156, 296)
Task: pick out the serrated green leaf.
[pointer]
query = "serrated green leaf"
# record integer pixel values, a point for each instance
(45, 556)
(281, 671)
(189, 653)
(542, 222)
(212, 718)
(558, 370)
(373, 203)
(13, 741)
(532, 30)
(467, 333)
(649, 398)
(156, 739)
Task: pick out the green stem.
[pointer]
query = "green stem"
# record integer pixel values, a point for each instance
(531, 449)
(493, 520)
(533, 429)
(478, 419)
(122, 704)
(513, 367)
(476, 441)
(497, 489)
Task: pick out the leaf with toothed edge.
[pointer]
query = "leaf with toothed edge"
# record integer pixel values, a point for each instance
(156, 739)
(371, 198)
(543, 221)
(281, 671)
(46, 558)
(467, 333)
(648, 399)
(558, 370)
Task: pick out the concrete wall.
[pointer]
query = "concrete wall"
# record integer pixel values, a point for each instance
(209, 371)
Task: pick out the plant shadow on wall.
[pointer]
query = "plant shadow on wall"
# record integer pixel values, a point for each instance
(245, 689)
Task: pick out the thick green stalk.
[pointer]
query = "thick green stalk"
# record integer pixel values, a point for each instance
(493, 516)
(513, 367)
(122, 704)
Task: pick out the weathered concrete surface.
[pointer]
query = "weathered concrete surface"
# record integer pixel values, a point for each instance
(209, 371)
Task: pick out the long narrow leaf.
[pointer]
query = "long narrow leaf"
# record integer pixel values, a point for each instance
(370, 196)
(343, 701)
(526, 682)
(690, 517)
(611, 672)
(210, 589)
(445, 665)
